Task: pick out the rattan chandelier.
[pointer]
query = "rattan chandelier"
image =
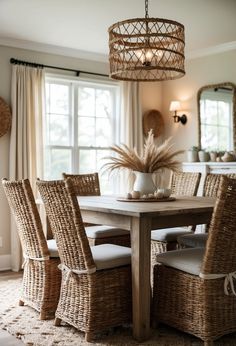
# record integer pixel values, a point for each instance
(146, 49)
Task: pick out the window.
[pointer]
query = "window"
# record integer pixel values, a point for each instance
(79, 126)
(216, 120)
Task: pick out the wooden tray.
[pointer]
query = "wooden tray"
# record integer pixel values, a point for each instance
(168, 199)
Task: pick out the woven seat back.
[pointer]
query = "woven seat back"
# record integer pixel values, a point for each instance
(212, 183)
(64, 215)
(185, 183)
(22, 203)
(220, 255)
(85, 184)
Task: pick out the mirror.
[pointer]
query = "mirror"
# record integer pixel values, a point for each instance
(217, 117)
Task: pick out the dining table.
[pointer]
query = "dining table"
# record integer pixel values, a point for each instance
(140, 217)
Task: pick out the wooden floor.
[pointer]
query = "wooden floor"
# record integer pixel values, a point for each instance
(7, 275)
(7, 339)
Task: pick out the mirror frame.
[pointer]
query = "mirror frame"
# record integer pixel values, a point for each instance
(206, 87)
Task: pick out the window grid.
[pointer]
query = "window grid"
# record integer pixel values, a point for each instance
(214, 143)
(72, 150)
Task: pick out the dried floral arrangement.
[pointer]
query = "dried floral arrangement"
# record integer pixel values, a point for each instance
(153, 158)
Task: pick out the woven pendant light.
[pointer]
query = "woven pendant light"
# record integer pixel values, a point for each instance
(146, 49)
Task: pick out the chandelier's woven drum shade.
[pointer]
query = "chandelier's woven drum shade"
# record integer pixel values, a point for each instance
(146, 49)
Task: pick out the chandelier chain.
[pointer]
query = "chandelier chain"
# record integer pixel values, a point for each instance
(146, 9)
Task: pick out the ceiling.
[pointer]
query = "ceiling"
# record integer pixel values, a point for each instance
(80, 26)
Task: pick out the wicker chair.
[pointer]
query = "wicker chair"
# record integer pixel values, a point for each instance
(96, 281)
(210, 189)
(182, 184)
(41, 278)
(88, 185)
(193, 288)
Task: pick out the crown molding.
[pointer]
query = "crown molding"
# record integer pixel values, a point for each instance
(80, 54)
(52, 49)
(221, 48)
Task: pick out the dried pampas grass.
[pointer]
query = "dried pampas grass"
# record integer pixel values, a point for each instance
(153, 159)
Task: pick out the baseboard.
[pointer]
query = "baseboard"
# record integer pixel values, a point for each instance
(5, 262)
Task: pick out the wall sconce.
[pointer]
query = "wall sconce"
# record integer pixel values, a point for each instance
(174, 107)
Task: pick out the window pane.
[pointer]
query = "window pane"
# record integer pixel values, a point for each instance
(209, 113)
(224, 113)
(57, 161)
(106, 180)
(59, 99)
(92, 161)
(101, 158)
(86, 101)
(58, 130)
(223, 139)
(209, 137)
(86, 131)
(103, 103)
(87, 161)
(103, 132)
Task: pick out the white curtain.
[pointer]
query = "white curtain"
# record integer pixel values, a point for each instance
(25, 143)
(131, 126)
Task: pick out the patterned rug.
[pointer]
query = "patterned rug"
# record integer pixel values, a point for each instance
(23, 323)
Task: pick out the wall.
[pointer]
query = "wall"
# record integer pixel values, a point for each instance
(211, 69)
(5, 77)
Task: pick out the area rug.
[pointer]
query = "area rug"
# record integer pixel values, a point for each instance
(23, 322)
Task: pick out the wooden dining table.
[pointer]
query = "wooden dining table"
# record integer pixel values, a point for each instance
(140, 218)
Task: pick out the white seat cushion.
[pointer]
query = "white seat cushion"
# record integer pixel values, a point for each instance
(193, 240)
(52, 247)
(105, 256)
(108, 256)
(169, 234)
(104, 231)
(187, 260)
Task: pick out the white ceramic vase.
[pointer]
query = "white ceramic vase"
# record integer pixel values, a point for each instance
(144, 183)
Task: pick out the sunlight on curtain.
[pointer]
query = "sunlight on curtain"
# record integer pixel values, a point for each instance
(131, 126)
(26, 136)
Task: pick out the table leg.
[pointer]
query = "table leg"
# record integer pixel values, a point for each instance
(140, 243)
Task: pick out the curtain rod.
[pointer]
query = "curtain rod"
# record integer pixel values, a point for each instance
(32, 64)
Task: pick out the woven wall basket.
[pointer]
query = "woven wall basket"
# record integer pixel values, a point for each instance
(153, 120)
(5, 117)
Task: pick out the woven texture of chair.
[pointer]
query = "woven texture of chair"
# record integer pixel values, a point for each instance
(200, 305)
(85, 184)
(182, 184)
(88, 185)
(210, 189)
(41, 278)
(91, 300)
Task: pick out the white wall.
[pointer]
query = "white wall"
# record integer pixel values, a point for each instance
(199, 72)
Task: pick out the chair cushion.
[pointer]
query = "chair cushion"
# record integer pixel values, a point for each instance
(105, 256)
(193, 240)
(108, 256)
(104, 231)
(52, 247)
(169, 234)
(187, 260)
